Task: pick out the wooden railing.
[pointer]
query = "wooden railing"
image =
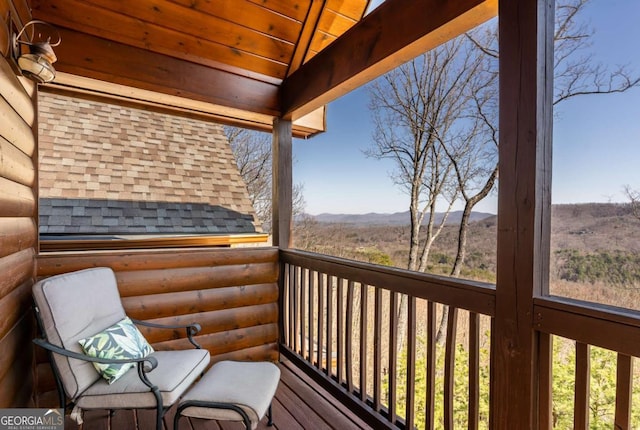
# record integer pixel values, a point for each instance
(591, 331)
(344, 321)
(337, 325)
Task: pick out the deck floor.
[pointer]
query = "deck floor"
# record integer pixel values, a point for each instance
(299, 404)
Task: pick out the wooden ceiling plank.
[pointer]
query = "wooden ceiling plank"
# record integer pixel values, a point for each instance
(96, 58)
(248, 14)
(334, 24)
(293, 9)
(130, 31)
(393, 34)
(320, 41)
(189, 21)
(353, 9)
(306, 36)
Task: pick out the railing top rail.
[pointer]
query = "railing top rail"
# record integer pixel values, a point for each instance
(609, 327)
(464, 294)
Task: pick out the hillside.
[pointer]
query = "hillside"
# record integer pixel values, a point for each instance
(593, 247)
(397, 218)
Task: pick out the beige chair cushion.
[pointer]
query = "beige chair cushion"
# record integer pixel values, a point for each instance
(176, 371)
(74, 306)
(249, 385)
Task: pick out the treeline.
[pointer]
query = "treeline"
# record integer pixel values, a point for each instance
(615, 268)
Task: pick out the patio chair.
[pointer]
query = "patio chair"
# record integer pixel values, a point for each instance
(85, 306)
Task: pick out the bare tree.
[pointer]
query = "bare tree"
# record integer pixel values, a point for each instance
(252, 151)
(575, 74)
(634, 200)
(417, 110)
(470, 149)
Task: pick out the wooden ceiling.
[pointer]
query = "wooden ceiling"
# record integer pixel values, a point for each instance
(245, 61)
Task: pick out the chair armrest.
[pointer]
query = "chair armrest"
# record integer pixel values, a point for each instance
(192, 329)
(152, 361)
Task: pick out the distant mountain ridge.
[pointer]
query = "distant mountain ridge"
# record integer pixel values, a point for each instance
(397, 218)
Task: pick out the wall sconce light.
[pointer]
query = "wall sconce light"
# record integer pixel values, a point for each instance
(37, 64)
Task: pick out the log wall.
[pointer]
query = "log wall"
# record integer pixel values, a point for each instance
(18, 230)
(231, 293)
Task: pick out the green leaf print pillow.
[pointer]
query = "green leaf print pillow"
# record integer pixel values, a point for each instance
(120, 341)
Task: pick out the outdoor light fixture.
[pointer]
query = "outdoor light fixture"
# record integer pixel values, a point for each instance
(37, 64)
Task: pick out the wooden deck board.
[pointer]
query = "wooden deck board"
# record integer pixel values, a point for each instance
(299, 404)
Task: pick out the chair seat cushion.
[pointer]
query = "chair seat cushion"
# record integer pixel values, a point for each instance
(176, 371)
(249, 385)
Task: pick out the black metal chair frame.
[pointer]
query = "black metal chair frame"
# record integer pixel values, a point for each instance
(217, 405)
(151, 363)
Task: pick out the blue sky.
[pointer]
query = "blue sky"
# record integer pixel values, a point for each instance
(596, 138)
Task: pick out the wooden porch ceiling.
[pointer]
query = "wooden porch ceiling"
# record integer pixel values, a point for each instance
(245, 61)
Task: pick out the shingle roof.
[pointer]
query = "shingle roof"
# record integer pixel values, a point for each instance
(114, 169)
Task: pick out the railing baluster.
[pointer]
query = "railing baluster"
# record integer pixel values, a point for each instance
(296, 293)
(292, 307)
(449, 367)
(581, 405)
(311, 321)
(349, 337)
(303, 312)
(624, 386)
(474, 370)
(377, 350)
(411, 363)
(340, 331)
(364, 311)
(320, 318)
(393, 344)
(329, 325)
(286, 314)
(546, 381)
(431, 367)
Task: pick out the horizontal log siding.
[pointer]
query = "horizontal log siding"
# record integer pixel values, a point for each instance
(18, 231)
(231, 293)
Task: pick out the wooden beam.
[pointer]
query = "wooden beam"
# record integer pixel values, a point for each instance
(108, 92)
(93, 57)
(397, 31)
(282, 219)
(306, 34)
(524, 206)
